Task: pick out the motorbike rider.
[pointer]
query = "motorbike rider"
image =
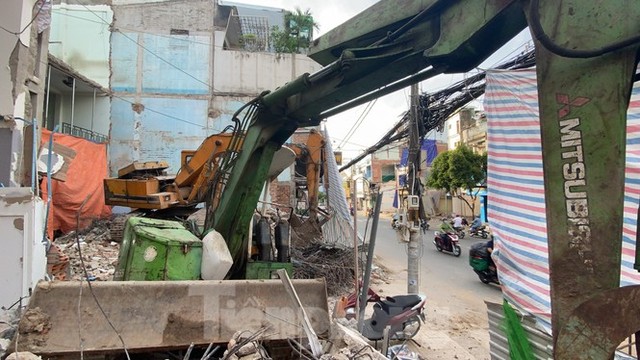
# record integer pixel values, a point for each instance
(476, 224)
(457, 222)
(446, 230)
(446, 227)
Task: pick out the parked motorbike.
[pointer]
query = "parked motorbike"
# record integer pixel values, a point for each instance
(447, 242)
(480, 261)
(402, 313)
(480, 232)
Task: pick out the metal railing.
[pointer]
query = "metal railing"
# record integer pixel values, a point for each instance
(84, 133)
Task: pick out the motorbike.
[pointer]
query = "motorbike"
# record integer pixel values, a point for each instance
(459, 229)
(424, 225)
(480, 232)
(402, 313)
(447, 242)
(480, 261)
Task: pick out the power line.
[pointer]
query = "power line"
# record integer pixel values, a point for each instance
(119, 29)
(112, 94)
(149, 51)
(359, 121)
(30, 22)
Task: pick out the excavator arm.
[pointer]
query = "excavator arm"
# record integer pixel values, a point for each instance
(385, 48)
(311, 156)
(586, 54)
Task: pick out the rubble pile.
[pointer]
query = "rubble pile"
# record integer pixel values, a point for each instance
(100, 254)
(348, 344)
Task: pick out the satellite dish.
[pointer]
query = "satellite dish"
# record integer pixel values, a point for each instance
(57, 161)
(282, 159)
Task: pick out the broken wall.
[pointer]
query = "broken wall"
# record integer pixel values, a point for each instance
(22, 73)
(174, 84)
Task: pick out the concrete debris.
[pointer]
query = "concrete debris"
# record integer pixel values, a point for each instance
(100, 254)
(241, 347)
(349, 344)
(8, 325)
(33, 329)
(23, 355)
(4, 346)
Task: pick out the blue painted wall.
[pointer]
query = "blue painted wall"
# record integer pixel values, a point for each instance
(166, 77)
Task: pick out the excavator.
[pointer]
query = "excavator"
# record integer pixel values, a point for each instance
(586, 54)
(146, 187)
(310, 168)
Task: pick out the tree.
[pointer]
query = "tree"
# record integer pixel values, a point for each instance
(297, 33)
(460, 172)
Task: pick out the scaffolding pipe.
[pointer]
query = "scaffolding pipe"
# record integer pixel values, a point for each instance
(73, 104)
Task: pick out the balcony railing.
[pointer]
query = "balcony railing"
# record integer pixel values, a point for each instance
(84, 133)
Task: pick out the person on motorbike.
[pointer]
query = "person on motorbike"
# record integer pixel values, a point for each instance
(476, 224)
(457, 222)
(446, 230)
(446, 227)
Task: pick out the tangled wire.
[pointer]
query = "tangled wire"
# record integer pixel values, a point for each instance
(333, 264)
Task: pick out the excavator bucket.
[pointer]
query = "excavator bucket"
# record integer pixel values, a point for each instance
(63, 317)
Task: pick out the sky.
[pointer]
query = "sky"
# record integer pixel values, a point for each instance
(386, 111)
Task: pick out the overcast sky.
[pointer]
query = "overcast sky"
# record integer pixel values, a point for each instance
(387, 110)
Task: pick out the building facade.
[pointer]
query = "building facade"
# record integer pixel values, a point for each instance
(179, 72)
(23, 64)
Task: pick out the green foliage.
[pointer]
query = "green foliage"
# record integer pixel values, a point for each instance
(459, 171)
(282, 42)
(296, 35)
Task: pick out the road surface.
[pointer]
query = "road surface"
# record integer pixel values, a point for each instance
(456, 315)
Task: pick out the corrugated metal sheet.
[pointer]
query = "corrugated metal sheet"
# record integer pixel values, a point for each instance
(339, 230)
(541, 342)
(499, 345)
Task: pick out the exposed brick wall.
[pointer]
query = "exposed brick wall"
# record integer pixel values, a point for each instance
(280, 192)
(376, 168)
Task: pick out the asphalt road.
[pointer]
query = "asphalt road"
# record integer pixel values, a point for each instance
(455, 294)
(437, 268)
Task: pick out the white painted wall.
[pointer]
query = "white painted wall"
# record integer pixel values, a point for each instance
(252, 72)
(80, 38)
(24, 258)
(451, 128)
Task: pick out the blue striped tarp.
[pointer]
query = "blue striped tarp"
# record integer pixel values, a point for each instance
(516, 204)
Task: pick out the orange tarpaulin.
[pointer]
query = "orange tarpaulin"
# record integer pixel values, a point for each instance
(84, 181)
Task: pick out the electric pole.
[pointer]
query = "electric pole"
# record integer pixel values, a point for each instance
(413, 211)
